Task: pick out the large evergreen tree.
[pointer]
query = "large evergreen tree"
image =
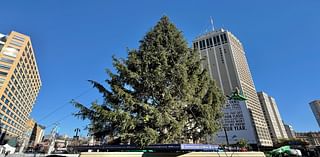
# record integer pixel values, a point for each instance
(159, 94)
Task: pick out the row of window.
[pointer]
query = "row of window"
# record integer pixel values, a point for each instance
(31, 67)
(4, 74)
(221, 54)
(17, 41)
(4, 67)
(10, 129)
(18, 38)
(24, 91)
(10, 51)
(6, 101)
(7, 119)
(24, 109)
(211, 41)
(6, 60)
(2, 81)
(21, 117)
(30, 78)
(27, 87)
(28, 55)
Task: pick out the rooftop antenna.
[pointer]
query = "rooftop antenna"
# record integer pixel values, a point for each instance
(211, 20)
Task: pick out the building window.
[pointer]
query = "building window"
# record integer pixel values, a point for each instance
(218, 40)
(210, 42)
(202, 44)
(6, 60)
(11, 51)
(18, 38)
(10, 95)
(6, 101)
(2, 80)
(3, 73)
(13, 89)
(224, 38)
(4, 108)
(16, 43)
(195, 46)
(215, 41)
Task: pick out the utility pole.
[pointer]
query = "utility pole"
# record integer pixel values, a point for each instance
(52, 138)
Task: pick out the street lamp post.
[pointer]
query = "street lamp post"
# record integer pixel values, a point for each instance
(76, 137)
(77, 130)
(226, 135)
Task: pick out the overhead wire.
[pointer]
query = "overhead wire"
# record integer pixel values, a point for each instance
(58, 121)
(64, 105)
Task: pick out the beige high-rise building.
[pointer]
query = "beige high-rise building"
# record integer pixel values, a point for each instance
(273, 118)
(19, 82)
(224, 57)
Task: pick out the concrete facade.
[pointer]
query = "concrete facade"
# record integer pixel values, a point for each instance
(315, 107)
(36, 135)
(313, 138)
(224, 57)
(273, 118)
(19, 82)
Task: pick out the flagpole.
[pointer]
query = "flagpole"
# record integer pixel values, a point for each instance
(211, 20)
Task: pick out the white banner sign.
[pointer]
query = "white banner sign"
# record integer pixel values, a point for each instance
(237, 124)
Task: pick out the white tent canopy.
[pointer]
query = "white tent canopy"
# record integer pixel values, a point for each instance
(7, 148)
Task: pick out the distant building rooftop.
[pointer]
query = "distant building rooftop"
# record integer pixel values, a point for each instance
(214, 32)
(209, 33)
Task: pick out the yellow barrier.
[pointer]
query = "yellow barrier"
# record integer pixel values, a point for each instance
(190, 154)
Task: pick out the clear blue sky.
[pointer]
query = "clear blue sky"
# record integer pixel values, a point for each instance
(75, 39)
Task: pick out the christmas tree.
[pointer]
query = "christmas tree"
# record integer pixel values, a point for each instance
(159, 94)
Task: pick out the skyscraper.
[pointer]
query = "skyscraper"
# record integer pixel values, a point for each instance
(224, 57)
(290, 131)
(315, 107)
(273, 118)
(19, 82)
